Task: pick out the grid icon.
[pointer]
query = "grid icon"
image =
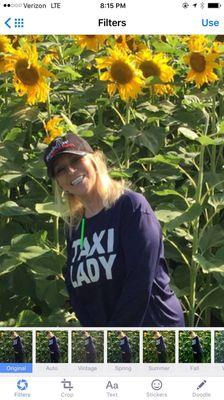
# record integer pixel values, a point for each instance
(18, 23)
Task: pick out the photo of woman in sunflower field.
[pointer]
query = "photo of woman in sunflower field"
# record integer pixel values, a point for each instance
(153, 106)
(15, 347)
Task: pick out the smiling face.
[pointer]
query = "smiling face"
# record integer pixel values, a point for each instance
(76, 176)
(156, 384)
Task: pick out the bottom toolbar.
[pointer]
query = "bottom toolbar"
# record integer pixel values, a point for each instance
(110, 387)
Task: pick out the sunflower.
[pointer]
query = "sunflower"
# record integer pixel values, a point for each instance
(17, 39)
(156, 66)
(5, 49)
(130, 43)
(201, 61)
(197, 43)
(121, 74)
(29, 75)
(91, 42)
(53, 129)
(50, 56)
(161, 89)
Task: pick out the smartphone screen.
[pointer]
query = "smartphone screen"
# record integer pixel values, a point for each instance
(111, 200)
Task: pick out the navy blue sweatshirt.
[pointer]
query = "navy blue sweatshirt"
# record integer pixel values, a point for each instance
(160, 345)
(17, 345)
(124, 345)
(90, 348)
(196, 345)
(53, 345)
(120, 277)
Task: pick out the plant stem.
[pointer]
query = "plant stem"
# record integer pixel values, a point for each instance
(126, 144)
(38, 183)
(194, 264)
(213, 128)
(119, 114)
(56, 233)
(48, 107)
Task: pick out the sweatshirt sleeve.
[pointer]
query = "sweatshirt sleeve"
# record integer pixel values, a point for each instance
(141, 245)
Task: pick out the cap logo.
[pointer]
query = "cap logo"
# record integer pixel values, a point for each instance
(59, 145)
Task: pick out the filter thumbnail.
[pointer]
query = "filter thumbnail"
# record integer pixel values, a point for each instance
(159, 347)
(219, 346)
(123, 347)
(87, 347)
(195, 346)
(51, 347)
(15, 346)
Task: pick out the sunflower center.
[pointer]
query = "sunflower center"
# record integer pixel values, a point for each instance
(149, 68)
(28, 75)
(219, 38)
(121, 72)
(197, 62)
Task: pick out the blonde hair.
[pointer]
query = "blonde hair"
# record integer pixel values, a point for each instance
(71, 208)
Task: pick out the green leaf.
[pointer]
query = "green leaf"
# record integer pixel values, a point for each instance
(8, 265)
(167, 192)
(28, 318)
(212, 264)
(13, 135)
(27, 246)
(212, 298)
(188, 133)
(16, 112)
(152, 139)
(214, 179)
(212, 237)
(130, 131)
(47, 264)
(47, 208)
(11, 209)
(148, 106)
(193, 212)
(65, 71)
(206, 140)
(36, 168)
(167, 215)
(169, 159)
(71, 126)
(120, 174)
(50, 292)
(11, 176)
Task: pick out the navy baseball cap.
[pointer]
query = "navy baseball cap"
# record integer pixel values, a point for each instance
(68, 144)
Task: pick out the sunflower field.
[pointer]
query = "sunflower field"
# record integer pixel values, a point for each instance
(113, 346)
(149, 347)
(7, 354)
(42, 349)
(185, 350)
(155, 106)
(79, 350)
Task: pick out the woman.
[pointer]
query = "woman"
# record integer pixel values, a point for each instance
(17, 347)
(125, 347)
(53, 347)
(196, 347)
(160, 347)
(90, 348)
(116, 271)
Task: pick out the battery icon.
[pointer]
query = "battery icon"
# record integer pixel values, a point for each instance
(214, 5)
